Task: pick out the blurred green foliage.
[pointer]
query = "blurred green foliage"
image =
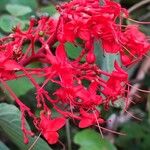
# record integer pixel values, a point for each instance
(89, 139)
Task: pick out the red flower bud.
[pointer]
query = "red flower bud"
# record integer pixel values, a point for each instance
(90, 58)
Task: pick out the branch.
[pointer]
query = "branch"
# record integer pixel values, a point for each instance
(137, 5)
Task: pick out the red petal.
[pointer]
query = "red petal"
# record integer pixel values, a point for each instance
(66, 76)
(100, 120)
(51, 137)
(51, 58)
(110, 46)
(69, 36)
(69, 31)
(84, 34)
(90, 57)
(85, 123)
(83, 94)
(69, 26)
(2, 57)
(56, 124)
(61, 53)
(93, 87)
(44, 122)
(11, 65)
(84, 113)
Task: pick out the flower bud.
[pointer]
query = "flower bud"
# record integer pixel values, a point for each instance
(90, 58)
(41, 33)
(125, 60)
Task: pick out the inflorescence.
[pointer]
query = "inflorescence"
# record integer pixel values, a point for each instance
(81, 22)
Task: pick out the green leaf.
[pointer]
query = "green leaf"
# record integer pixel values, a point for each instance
(18, 10)
(24, 84)
(73, 51)
(3, 146)
(10, 124)
(99, 53)
(88, 139)
(105, 60)
(51, 10)
(7, 22)
(30, 3)
(1, 35)
(2, 4)
(108, 61)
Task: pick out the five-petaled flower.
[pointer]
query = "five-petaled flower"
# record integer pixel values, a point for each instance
(49, 128)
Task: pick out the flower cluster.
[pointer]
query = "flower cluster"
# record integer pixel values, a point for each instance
(82, 86)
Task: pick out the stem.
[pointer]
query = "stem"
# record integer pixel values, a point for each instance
(35, 57)
(139, 22)
(144, 91)
(114, 132)
(129, 113)
(99, 127)
(31, 147)
(68, 135)
(50, 41)
(12, 94)
(137, 5)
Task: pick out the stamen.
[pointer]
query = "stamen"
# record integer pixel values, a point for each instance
(133, 115)
(112, 131)
(36, 140)
(63, 146)
(127, 50)
(99, 127)
(144, 91)
(139, 22)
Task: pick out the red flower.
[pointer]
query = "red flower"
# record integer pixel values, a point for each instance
(115, 85)
(7, 67)
(112, 9)
(61, 70)
(135, 45)
(104, 29)
(88, 97)
(88, 119)
(49, 128)
(80, 96)
(76, 29)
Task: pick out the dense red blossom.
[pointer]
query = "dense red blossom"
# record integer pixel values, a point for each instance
(135, 45)
(81, 85)
(88, 119)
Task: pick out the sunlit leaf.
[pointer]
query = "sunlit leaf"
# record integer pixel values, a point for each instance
(51, 10)
(88, 139)
(18, 10)
(72, 51)
(30, 3)
(24, 85)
